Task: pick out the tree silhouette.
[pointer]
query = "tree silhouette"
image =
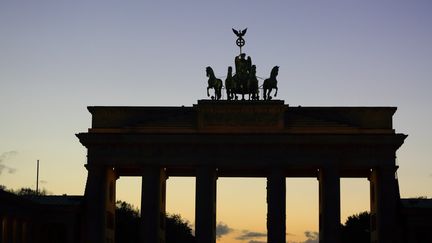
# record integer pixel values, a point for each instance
(25, 191)
(356, 229)
(178, 230)
(127, 222)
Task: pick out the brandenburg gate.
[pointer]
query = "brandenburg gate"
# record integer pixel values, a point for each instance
(239, 138)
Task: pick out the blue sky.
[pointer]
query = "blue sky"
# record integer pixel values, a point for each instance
(57, 57)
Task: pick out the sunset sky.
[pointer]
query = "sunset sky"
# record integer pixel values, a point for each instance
(58, 57)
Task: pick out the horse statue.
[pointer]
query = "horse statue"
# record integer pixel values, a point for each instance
(253, 84)
(270, 84)
(214, 83)
(230, 85)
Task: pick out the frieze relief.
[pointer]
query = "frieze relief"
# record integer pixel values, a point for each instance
(241, 117)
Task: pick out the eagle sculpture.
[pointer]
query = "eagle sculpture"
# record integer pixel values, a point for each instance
(239, 33)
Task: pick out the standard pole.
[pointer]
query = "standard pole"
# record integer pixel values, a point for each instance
(37, 178)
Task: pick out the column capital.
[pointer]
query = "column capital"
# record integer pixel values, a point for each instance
(329, 167)
(97, 169)
(207, 169)
(386, 168)
(277, 170)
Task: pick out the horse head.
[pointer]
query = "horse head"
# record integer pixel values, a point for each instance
(209, 71)
(253, 70)
(274, 72)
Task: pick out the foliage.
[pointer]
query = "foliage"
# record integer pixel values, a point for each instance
(419, 197)
(178, 230)
(25, 191)
(356, 229)
(127, 222)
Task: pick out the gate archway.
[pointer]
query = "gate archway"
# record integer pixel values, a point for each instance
(240, 139)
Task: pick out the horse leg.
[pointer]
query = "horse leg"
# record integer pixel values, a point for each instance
(208, 94)
(276, 91)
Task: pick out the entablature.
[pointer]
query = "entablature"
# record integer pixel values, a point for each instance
(273, 116)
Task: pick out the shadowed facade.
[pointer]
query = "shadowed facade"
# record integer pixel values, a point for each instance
(240, 139)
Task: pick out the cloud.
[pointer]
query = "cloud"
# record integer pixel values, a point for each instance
(222, 229)
(4, 157)
(43, 181)
(248, 235)
(312, 237)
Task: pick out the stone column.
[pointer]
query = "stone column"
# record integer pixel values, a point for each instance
(276, 206)
(329, 205)
(13, 230)
(153, 205)
(384, 199)
(205, 205)
(3, 229)
(7, 229)
(100, 204)
(24, 232)
(17, 231)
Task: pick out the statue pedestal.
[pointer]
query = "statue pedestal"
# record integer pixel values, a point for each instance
(241, 116)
